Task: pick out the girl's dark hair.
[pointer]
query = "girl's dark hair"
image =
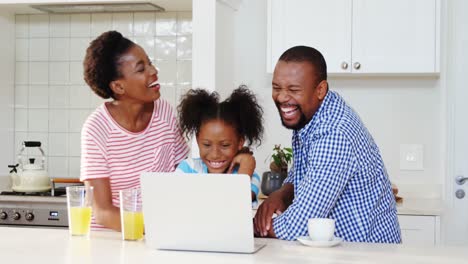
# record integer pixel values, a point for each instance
(101, 65)
(241, 110)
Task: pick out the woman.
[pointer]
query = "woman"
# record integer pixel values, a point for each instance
(221, 129)
(135, 132)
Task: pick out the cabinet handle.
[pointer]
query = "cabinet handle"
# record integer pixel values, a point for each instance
(357, 65)
(460, 179)
(344, 65)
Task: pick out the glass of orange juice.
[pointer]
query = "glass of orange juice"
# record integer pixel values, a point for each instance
(131, 215)
(79, 202)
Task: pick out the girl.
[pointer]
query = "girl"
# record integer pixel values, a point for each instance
(134, 132)
(221, 129)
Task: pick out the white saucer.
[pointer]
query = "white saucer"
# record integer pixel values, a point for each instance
(305, 240)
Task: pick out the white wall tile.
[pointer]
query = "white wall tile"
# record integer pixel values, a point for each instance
(20, 137)
(184, 72)
(59, 49)
(39, 73)
(144, 24)
(181, 90)
(168, 92)
(74, 167)
(74, 144)
(39, 26)
(22, 26)
(21, 119)
(77, 119)
(80, 25)
(184, 23)
(167, 72)
(76, 73)
(22, 49)
(59, 73)
(21, 96)
(165, 48)
(58, 167)
(22, 73)
(59, 26)
(184, 47)
(100, 23)
(123, 23)
(166, 24)
(58, 96)
(147, 43)
(38, 120)
(58, 144)
(39, 49)
(96, 100)
(43, 138)
(78, 48)
(58, 120)
(80, 97)
(38, 96)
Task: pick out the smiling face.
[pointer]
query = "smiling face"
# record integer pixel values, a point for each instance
(297, 92)
(219, 143)
(139, 81)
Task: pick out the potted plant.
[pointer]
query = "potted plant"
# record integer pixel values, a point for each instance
(280, 160)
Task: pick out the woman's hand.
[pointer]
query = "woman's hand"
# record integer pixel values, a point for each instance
(104, 211)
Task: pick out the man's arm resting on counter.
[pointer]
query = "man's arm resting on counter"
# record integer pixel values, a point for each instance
(277, 203)
(104, 211)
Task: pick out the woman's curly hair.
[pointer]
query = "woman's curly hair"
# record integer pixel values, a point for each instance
(241, 110)
(101, 65)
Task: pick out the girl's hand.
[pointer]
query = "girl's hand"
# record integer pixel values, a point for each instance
(246, 163)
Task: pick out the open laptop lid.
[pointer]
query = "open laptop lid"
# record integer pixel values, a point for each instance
(200, 212)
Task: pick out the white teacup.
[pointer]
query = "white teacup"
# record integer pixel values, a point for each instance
(321, 229)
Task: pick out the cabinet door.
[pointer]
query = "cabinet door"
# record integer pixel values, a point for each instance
(324, 25)
(418, 230)
(397, 36)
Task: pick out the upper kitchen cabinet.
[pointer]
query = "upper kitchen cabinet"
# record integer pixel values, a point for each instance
(359, 36)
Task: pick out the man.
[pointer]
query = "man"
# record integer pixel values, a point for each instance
(338, 171)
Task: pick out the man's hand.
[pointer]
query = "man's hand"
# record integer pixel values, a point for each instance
(276, 203)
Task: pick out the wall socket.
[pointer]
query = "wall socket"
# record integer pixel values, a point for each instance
(411, 157)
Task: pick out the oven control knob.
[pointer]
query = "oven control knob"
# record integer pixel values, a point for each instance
(3, 215)
(16, 216)
(29, 216)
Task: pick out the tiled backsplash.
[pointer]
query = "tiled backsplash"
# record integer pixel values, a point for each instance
(51, 98)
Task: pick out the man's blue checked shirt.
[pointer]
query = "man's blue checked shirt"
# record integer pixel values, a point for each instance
(338, 173)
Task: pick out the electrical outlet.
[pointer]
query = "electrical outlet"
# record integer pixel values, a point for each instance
(411, 157)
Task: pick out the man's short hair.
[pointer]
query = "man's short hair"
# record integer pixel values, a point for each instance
(310, 55)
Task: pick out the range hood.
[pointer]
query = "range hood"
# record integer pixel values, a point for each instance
(98, 8)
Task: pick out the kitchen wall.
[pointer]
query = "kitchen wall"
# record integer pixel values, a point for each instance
(51, 98)
(396, 110)
(7, 49)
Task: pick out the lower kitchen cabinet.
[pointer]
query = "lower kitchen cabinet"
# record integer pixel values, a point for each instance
(420, 229)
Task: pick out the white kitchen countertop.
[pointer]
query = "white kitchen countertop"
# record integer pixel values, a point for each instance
(48, 246)
(421, 206)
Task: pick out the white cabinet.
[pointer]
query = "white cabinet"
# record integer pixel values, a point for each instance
(420, 229)
(359, 36)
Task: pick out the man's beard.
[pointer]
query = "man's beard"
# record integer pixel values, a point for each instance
(300, 124)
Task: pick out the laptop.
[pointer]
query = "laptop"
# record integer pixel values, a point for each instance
(198, 212)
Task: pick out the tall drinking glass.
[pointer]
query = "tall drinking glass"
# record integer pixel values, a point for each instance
(131, 215)
(79, 202)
